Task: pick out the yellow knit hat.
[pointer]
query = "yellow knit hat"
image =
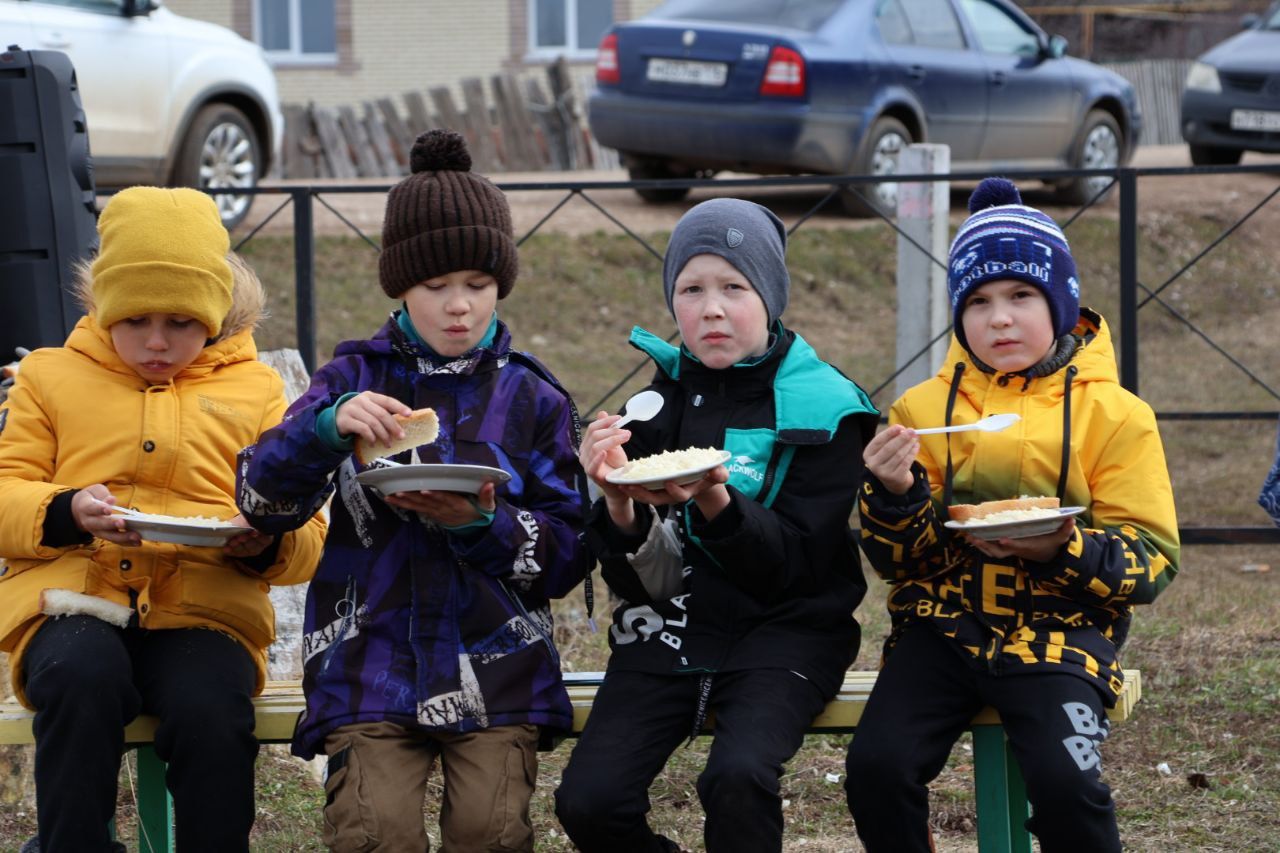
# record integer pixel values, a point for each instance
(162, 251)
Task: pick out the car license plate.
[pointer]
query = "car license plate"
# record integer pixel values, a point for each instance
(687, 72)
(1254, 120)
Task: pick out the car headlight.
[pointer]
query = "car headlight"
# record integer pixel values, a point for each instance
(1204, 77)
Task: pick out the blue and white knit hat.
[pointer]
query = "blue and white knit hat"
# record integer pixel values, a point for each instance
(1003, 238)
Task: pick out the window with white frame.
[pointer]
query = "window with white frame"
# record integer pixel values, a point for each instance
(569, 27)
(297, 30)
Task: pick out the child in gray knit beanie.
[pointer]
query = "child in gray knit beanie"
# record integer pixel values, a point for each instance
(737, 576)
(748, 236)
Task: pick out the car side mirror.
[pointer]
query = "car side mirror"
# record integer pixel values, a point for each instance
(1057, 47)
(137, 8)
(1250, 21)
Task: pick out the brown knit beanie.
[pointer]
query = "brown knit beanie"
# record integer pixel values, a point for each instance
(444, 218)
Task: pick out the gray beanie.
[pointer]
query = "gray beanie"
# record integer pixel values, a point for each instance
(743, 233)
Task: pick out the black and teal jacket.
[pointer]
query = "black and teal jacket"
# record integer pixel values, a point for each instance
(773, 581)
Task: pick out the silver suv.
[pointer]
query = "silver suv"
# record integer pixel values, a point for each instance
(169, 100)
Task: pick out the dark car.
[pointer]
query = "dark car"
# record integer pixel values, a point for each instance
(840, 86)
(1231, 102)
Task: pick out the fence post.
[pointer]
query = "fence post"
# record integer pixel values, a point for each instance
(923, 308)
(1128, 180)
(304, 271)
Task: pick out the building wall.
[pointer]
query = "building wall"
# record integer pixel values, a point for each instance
(394, 46)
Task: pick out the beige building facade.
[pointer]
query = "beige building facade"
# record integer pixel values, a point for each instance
(362, 50)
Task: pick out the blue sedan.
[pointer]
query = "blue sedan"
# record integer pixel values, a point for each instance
(1231, 102)
(841, 86)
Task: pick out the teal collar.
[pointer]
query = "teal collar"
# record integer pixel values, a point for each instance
(405, 322)
(808, 393)
(668, 355)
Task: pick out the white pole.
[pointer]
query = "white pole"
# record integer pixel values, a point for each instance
(923, 308)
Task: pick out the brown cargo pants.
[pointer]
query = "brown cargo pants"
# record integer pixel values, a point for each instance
(377, 782)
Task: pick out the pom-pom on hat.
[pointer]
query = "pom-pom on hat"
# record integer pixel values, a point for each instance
(746, 235)
(162, 251)
(1002, 239)
(444, 218)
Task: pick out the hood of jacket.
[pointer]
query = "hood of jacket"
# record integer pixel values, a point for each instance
(94, 342)
(1031, 456)
(1094, 361)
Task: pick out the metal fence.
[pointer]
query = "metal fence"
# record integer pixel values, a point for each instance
(1135, 294)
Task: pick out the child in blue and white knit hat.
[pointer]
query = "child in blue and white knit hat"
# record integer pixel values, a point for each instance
(1026, 621)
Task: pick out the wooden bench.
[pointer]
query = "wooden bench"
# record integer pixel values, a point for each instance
(1000, 794)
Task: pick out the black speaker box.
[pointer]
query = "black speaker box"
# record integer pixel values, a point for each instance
(47, 207)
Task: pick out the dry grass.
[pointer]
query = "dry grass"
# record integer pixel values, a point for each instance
(1209, 648)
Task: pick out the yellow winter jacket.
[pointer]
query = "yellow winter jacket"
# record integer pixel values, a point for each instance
(78, 415)
(1074, 612)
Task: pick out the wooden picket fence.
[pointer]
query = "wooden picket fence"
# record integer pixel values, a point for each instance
(1158, 85)
(516, 125)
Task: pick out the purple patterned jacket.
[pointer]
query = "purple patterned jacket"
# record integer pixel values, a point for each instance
(408, 622)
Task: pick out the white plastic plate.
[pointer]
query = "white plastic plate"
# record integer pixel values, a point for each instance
(171, 529)
(1017, 529)
(682, 477)
(435, 478)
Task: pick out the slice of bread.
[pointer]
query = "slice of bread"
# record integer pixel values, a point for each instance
(969, 512)
(420, 427)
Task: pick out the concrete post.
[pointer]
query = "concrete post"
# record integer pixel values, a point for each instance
(923, 308)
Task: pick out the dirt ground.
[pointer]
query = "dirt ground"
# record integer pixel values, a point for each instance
(363, 210)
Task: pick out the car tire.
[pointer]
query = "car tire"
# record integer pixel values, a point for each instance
(1100, 145)
(656, 170)
(1212, 155)
(877, 155)
(221, 150)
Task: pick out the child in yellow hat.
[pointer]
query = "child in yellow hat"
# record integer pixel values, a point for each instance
(145, 406)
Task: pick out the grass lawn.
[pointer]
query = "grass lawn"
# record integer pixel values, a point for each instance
(1198, 765)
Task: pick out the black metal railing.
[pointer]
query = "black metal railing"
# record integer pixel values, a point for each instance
(1134, 295)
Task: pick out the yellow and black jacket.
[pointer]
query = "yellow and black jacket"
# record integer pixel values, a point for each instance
(1081, 436)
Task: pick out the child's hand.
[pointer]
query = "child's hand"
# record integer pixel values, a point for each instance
(1040, 549)
(452, 509)
(370, 416)
(251, 543)
(704, 491)
(889, 456)
(91, 509)
(601, 452)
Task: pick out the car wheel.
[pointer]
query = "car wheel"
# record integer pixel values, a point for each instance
(1099, 147)
(656, 170)
(221, 151)
(878, 155)
(1210, 155)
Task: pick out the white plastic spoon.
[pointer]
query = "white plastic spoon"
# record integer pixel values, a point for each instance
(641, 407)
(123, 510)
(991, 423)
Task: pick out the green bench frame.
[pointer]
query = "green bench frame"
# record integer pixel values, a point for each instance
(1001, 796)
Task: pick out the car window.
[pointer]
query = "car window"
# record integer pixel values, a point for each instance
(111, 7)
(794, 14)
(997, 32)
(1272, 21)
(933, 23)
(892, 21)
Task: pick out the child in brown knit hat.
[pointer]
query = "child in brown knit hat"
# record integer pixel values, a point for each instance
(429, 632)
(145, 406)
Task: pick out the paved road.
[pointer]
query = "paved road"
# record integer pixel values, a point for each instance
(364, 210)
